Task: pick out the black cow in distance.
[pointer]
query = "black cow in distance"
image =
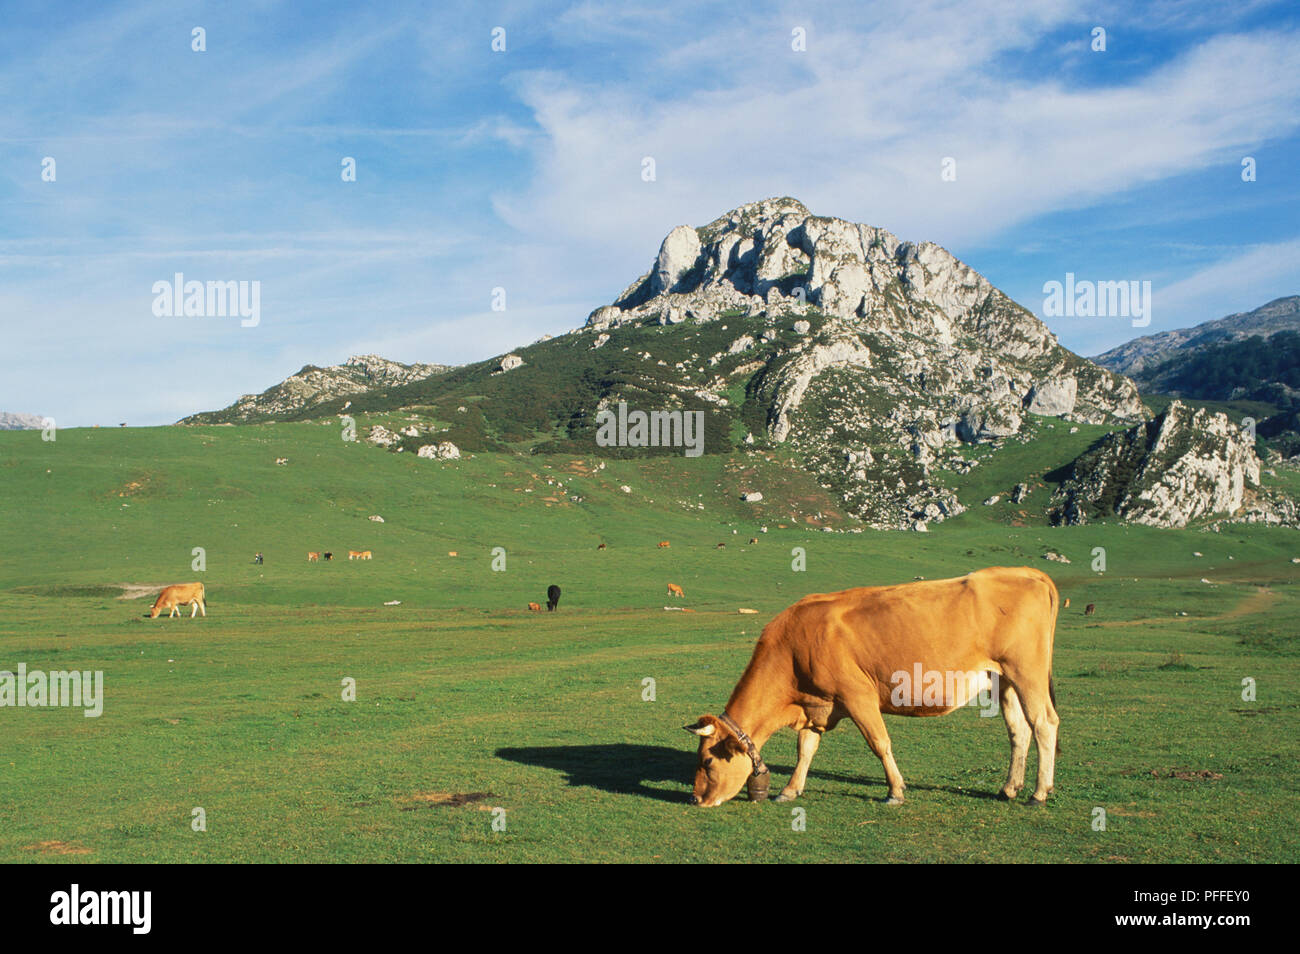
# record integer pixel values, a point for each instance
(552, 597)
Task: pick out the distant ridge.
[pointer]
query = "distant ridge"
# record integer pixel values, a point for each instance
(312, 387)
(20, 422)
(1142, 358)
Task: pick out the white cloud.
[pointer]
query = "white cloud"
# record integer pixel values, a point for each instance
(861, 133)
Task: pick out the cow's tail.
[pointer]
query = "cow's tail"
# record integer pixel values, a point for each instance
(1051, 682)
(1051, 694)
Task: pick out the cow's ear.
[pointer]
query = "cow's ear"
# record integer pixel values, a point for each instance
(700, 728)
(733, 746)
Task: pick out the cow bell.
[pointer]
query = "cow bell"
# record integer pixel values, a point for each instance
(757, 785)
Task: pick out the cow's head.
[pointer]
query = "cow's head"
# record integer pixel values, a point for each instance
(724, 763)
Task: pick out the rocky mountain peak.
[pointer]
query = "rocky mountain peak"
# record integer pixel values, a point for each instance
(897, 345)
(775, 253)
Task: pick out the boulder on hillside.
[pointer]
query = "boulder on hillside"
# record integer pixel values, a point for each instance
(444, 450)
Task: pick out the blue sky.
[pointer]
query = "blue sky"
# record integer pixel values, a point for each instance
(521, 169)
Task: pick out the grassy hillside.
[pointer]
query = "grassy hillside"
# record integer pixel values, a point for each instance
(462, 692)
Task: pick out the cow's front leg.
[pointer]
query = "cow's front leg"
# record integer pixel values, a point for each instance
(809, 739)
(864, 710)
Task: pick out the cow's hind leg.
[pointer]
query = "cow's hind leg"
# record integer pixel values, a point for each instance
(1019, 732)
(203, 608)
(864, 710)
(809, 739)
(1035, 696)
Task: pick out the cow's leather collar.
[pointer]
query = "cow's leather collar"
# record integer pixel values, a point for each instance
(751, 749)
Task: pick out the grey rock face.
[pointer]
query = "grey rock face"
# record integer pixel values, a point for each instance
(1054, 398)
(677, 256)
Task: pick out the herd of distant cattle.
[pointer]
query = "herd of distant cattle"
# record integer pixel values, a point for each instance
(192, 594)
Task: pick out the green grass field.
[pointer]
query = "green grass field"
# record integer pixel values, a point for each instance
(460, 691)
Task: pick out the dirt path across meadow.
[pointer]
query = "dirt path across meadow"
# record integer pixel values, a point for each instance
(1258, 602)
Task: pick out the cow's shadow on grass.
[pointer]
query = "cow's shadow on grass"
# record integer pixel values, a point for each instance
(624, 769)
(619, 768)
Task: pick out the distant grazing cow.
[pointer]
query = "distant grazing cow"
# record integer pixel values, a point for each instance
(1090, 609)
(367, 555)
(664, 544)
(313, 556)
(1066, 604)
(257, 558)
(753, 539)
(721, 546)
(354, 554)
(534, 607)
(328, 556)
(675, 590)
(552, 597)
(182, 594)
(856, 653)
(601, 547)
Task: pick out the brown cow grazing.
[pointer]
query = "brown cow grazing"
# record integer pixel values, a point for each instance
(313, 556)
(664, 544)
(182, 594)
(1090, 609)
(856, 653)
(720, 546)
(1066, 604)
(354, 554)
(753, 539)
(675, 590)
(601, 547)
(534, 607)
(367, 555)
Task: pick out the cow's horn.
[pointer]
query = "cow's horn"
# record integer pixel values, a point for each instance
(700, 728)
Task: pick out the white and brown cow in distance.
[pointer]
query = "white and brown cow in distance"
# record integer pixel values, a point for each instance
(182, 594)
(833, 655)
